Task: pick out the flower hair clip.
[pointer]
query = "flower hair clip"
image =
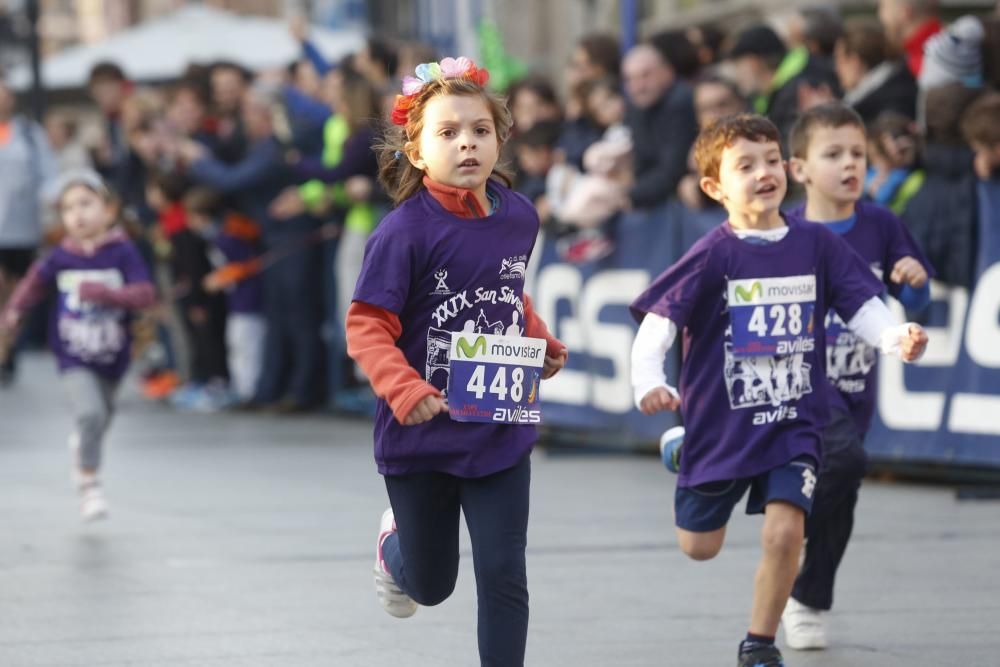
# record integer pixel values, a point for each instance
(449, 68)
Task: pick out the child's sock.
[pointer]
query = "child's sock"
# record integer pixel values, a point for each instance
(753, 641)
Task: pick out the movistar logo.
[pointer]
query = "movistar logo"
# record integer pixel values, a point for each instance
(470, 351)
(749, 295)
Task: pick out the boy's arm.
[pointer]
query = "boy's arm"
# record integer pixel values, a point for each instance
(874, 324)
(372, 333)
(654, 339)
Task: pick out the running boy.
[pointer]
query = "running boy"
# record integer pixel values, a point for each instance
(828, 157)
(747, 297)
(449, 258)
(99, 276)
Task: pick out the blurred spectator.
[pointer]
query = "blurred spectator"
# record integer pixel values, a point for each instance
(69, 152)
(596, 57)
(660, 117)
(232, 253)
(778, 79)
(707, 42)
(292, 285)
(28, 169)
(894, 173)
(991, 50)
(872, 82)
(228, 84)
(817, 29)
(715, 97)
(980, 126)
(908, 24)
(532, 100)
(679, 53)
(942, 214)
(536, 154)
(954, 55)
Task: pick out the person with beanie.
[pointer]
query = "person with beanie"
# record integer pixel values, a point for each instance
(954, 56)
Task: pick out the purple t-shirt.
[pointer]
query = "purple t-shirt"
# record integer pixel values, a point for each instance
(84, 334)
(440, 273)
(752, 383)
(851, 364)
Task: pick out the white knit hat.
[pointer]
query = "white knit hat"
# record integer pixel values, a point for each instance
(954, 55)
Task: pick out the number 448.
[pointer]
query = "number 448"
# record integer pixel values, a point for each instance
(779, 318)
(499, 387)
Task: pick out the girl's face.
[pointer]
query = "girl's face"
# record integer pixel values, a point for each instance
(606, 107)
(458, 144)
(85, 214)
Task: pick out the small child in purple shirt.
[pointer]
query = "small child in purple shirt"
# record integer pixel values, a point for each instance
(828, 146)
(99, 277)
(748, 298)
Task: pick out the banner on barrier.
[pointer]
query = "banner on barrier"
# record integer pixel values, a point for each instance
(944, 409)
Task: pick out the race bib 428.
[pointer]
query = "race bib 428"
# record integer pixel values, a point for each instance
(495, 379)
(772, 316)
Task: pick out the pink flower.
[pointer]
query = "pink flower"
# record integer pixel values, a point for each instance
(411, 85)
(455, 67)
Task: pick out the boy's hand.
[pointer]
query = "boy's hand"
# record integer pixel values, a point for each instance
(658, 400)
(554, 364)
(912, 346)
(426, 410)
(910, 272)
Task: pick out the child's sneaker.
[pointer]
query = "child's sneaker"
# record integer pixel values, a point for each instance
(805, 627)
(670, 448)
(394, 600)
(761, 655)
(93, 506)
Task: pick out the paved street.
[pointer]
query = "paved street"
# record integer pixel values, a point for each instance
(245, 541)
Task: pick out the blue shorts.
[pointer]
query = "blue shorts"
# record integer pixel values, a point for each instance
(708, 506)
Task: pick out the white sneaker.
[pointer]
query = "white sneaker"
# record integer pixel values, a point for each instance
(394, 600)
(93, 506)
(805, 627)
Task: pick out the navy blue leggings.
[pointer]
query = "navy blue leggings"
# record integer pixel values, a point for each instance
(423, 555)
(829, 525)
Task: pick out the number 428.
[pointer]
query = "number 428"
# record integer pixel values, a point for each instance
(776, 320)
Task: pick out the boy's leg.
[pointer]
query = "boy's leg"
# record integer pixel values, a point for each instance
(701, 514)
(496, 512)
(829, 525)
(781, 541)
(422, 555)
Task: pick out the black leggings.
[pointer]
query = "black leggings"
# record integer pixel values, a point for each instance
(423, 555)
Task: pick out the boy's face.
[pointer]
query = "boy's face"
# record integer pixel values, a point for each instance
(987, 161)
(834, 165)
(713, 101)
(752, 74)
(751, 179)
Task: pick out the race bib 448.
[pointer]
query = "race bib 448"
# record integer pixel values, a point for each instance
(772, 316)
(495, 378)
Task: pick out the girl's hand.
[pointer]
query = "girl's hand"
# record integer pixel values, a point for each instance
(912, 346)
(909, 271)
(426, 410)
(553, 365)
(93, 292)
(658, 400)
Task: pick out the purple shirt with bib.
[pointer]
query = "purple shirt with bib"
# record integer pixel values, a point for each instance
(753, 386)
(85, 334)
(852, 365)
(441, 273)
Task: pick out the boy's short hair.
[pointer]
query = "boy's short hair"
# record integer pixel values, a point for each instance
(203, 201)
(831, 114)
(715, 138)
(979, 122)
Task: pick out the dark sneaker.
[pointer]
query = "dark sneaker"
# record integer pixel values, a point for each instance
(764, 655)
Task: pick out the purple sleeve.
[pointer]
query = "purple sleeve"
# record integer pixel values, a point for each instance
(848, 280)
(386, 273)
(137, 292)
(675, 292)
(31, 289)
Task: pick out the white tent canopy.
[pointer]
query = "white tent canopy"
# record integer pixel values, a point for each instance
(161, 49)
